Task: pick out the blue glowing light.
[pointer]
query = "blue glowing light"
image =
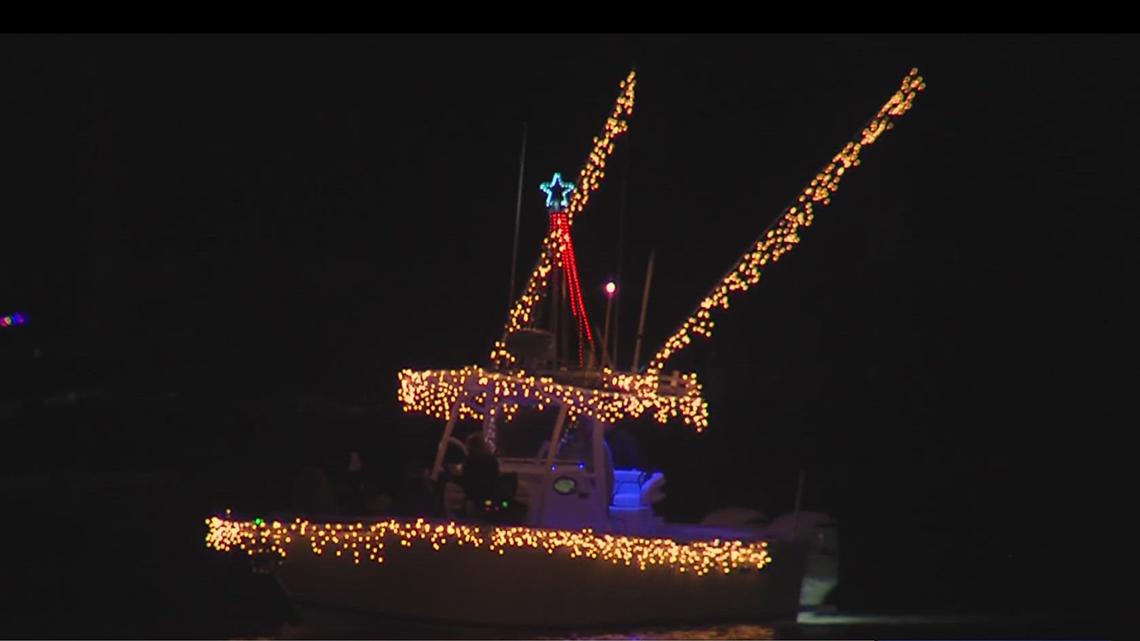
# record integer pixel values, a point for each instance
(581, 465)
(12, 320)
(560, 200)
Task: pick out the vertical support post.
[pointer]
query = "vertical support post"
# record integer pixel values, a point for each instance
(602, 491)
(606, 333)
(489, 425)
(621, 242)
(518, 214)
(799, 496)
(556, 313)
(563, 326)
(644, 306)
(593, 359)
(453, 416)
(540, 509)
(558, 423)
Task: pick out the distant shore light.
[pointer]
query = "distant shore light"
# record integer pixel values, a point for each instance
(11, 320)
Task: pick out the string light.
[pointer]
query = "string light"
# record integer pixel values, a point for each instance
(373, 542)
(784, 234)
(566, 259)
(589, 179)
(12, 320)
(619, 396)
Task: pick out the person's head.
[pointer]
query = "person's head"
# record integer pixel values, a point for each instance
(476, 444)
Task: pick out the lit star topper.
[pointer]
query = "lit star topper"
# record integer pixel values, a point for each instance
(557, 192)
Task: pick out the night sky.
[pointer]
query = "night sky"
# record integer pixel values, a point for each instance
(943, 355)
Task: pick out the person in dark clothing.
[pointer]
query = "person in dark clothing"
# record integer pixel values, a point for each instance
(480, 476)
(489, 495)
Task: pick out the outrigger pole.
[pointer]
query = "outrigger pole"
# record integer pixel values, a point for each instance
(780, 236)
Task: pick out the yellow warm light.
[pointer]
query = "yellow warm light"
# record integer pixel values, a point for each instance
(699, 557)
(785, 234)
(621, 396)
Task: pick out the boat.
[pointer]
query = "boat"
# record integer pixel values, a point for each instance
(570, 540)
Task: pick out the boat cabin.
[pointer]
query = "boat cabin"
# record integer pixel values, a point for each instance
(570, 485)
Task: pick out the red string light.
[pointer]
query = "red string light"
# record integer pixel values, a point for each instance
(564, 249)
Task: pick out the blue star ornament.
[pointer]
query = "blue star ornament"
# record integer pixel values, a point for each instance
(557, 192)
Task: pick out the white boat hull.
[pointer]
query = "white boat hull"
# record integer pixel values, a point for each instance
(467, 586)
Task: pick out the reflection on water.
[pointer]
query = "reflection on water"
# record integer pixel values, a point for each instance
(839, 626)
(405, 630)
(398, 630)
(705, 632)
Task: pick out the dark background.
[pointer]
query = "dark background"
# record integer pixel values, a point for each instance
(217, 240)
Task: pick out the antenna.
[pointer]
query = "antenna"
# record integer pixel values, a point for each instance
(518, 212)
(799, 496)
(644, 306)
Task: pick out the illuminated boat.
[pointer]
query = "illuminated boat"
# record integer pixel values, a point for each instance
(589, 550)
(586, 547)
(580, 559)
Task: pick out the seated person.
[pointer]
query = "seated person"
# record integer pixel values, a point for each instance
(489, 495)
(480, 476)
